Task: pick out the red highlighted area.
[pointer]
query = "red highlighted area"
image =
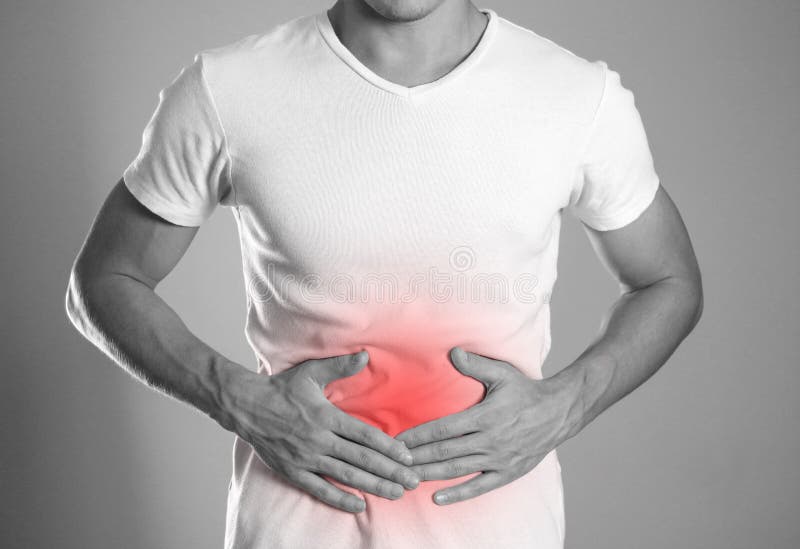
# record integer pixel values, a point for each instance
(396, 391)
(409, 380)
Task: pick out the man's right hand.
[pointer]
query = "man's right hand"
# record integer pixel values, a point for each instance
(301, 435)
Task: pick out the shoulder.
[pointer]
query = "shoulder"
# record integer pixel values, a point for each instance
(272, 52)
(565, 81)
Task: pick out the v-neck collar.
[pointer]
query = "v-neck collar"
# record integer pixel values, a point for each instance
(325, 28)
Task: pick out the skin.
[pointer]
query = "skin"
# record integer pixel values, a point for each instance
(408, 42)
(521, 419)
(293, 428)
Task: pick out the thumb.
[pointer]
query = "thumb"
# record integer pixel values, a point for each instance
(477, 366)
(326, 370)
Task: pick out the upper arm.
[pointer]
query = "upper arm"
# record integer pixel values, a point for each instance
(182, 171)
(653, 247)
(128, 239)
(631, 221)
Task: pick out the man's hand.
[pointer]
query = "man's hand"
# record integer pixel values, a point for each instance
(301, 435)
(298, 432)
(519, 421)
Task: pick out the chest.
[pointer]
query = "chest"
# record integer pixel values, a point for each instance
(400, 185)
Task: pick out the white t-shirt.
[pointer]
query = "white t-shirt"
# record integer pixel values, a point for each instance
(403, 221)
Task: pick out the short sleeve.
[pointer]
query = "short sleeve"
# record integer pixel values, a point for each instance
(182, 170)
(617, 180)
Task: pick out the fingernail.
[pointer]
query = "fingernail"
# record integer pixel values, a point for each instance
(440, 498)
(406, 457)
(410, 481)
(356, 358)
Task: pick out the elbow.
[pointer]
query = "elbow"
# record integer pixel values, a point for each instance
(696, 301)
(75, 300)
(72, 302)
(684, 294)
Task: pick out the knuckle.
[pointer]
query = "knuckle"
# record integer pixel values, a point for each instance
(442, 430)
(332, 418)
(320, 438)
(293, 454)
(320, 492)
(347, 474)
(319, 410)
(397, 474)
(333, 444)
(290, 474)
(342, 362)
(382, 487)
(368, 436)
(397, 449)
(363, 458)
(455, 468)
(310, 462)
(340, 500)
(442, 451)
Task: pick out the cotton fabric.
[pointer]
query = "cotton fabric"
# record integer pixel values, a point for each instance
(399, 220)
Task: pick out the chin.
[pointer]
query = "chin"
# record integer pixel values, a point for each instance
(403, 10)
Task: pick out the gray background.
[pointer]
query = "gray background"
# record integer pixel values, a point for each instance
(705, 454)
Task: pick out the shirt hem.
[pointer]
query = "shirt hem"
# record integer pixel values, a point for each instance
(158, 205)
(628, 214)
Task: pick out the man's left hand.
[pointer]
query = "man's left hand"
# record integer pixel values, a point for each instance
(503, 437)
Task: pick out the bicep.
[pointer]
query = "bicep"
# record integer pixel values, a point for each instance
(653, 247)
(128, 239)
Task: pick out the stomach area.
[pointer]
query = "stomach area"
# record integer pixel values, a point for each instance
(399, 390)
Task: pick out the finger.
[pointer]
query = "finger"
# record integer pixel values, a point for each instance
(325, 370)
(451, 468)
(484, 369)
(374, 462)
(454, 425)
(327, 492)
(358, 478)
(474, 487)
(448, 449)
(365, 434)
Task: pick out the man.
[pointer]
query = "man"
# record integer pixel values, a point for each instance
(430, 146)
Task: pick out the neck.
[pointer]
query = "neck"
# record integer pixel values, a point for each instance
(409, 52)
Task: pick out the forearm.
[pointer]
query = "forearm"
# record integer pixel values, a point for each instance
(133, 325)
(641, 331)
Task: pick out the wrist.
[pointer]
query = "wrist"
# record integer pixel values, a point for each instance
(583, 384)
(567, 386)
(230, 383)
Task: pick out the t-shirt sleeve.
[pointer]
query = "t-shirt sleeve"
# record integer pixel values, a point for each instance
(617, 180)
(182, 170)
